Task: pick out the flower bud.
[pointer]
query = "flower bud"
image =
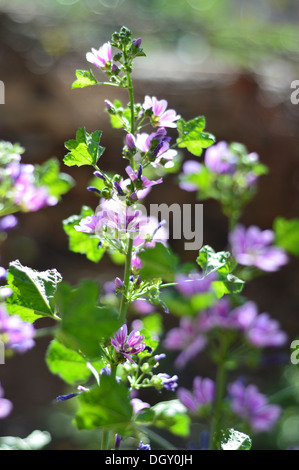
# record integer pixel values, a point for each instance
(118, 283)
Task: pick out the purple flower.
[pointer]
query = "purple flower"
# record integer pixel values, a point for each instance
(252, 406)
(156, 143)
(203, 394)
(189, 168)
(219, 159)
(137, 43)
(253, 247)
(130, 142)
(28, 196)
(89, 224)
(68, 396)
(194, 283)
(187, 338)
(3, 273)
(260, 329)
(218, 316)
(143, 307)
(160, 115)
(17, 334)
(8, 222)
(150, 233)
(5, 405)
(100, 58)
(138, 405)
(126, 345)
(139, 180)
(167, 382)
(118, 439)
(142, 446)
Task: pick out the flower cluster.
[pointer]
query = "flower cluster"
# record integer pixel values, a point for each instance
(245, 402)
(19, 186)
(192, 335)
(254, 247)
(228, 174)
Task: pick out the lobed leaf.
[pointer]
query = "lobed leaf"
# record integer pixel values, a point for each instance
(107, 406)
(84, 78)
(192, 135)
(85, 149)
(85, 323)
(32, 291)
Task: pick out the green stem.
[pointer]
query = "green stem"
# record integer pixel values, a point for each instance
(123, 303)
(220, 390)
(105, 439)
(131, 96)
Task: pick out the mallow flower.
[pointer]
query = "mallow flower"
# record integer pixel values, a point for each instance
(187, 338)
(259, 329)
(161, 116)
(16, 334)
(101, 57)
(128, 345)
(219, 158)
(203, 394)
(252, 406)
(254, 247)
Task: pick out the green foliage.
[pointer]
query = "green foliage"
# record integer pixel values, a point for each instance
(32, 291)
(85, 324)
(9, 152)
(158, 262)
(172, 415)
(85, 149)
(70, 365)
(287, 234)
(223, 263)
(119, 116)
(231, 439)
(106, 406)
(80, 242)
(192, 135)
(84, 78)
(49, 175)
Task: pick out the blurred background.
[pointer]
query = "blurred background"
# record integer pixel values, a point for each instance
(232, 61)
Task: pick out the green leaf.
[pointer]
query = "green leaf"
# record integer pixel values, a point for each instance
(85, 149)
(287, 234)
(33, 291)
(224, 263)
(107, 406)
(192, 136)
(158, 262)
(84, 78)
(234, 440)
(80, 242)
(50, 176)
(85, 324)
(173, 416)
(211, 261)
(71, 366)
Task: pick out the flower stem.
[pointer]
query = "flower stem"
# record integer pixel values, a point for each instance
(220, 389)
(105, 439)
(123, 303)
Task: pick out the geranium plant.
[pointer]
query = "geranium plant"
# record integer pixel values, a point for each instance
(105, 355)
